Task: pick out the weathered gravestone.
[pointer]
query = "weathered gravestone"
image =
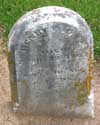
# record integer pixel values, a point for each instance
(50, 61)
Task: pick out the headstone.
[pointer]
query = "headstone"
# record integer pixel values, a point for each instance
(50, 62)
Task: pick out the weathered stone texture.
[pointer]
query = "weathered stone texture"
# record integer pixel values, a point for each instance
(51, 52)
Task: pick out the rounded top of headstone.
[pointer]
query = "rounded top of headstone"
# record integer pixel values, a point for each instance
(50, 14)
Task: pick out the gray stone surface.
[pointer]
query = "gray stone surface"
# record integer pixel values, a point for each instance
(50, 60)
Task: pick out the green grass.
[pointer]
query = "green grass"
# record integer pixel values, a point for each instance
(11, 10)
